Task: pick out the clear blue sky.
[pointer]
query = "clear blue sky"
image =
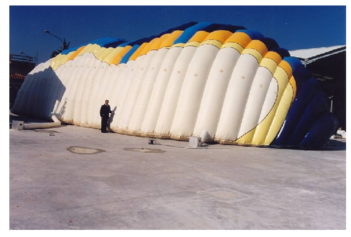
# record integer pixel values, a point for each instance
(293, 27)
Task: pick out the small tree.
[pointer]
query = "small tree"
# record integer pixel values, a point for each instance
(65, 45)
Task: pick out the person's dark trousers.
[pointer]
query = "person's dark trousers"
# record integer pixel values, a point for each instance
(104, 124)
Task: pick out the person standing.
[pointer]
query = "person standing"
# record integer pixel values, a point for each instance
(104, 113)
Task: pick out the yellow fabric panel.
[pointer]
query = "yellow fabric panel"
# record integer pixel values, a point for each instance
(219, 35)
(58, 60)
(96, 49)
(247, 138)
(281, 73)
(274, 56)
(269, 64)
(100, 52)
(287, 68)
(55, 60)
(165, 36)
(107, 53)
(292, 82)
(138, 51)
(195, 44)
(254, 53)
(52, 61)
(236, 46)
(120, 55)
(199, 36)
(212, 42)
(169, 41)
(103, 54)
(240, 38)
(64, 59)
(262, 129)
(91, 48)
(149, 46)
(86, 49)
(74, 55)
(182, 45)
(157, 44)
(258, 46)
(280, 114)
(108, 58)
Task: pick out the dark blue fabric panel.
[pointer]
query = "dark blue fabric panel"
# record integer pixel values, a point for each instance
(252, 33)
(313, 112)
(321, 131)
(212, 27)
(294, 62)
(67, 51)
(270, 43)
(308, 90)
(301, 74)
(114, 44)
(282, 52)
(231, 28)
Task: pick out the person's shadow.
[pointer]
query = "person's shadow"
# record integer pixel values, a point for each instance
(110, 120)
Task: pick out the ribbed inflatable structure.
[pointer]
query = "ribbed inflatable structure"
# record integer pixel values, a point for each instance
(230, 82)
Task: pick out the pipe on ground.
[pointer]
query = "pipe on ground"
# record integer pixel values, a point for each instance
(55, 123)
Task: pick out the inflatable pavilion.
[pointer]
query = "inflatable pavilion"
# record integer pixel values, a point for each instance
(233, 84)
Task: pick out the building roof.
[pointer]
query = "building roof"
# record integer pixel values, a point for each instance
(311, 55)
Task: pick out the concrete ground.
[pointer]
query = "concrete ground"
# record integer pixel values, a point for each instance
(215, 187)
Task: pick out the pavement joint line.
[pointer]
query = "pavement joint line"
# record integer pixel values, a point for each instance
(202, 192)
(194, 198)
(103, 203)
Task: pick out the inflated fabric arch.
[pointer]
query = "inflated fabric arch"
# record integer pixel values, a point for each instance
(231, 83)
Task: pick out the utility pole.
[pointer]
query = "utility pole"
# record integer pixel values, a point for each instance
(48, 32)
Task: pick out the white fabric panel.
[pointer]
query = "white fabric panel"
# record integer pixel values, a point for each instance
(192, 91)
(93, 104)
(116, 84)
(22, 95)
(72, 73)
(100, 96)
(146, 90)
(269, 100)
(169, 105)
(61, 76)
(52, 82)
(82, 87)
(85, 62)
(215, 90)
(134, 90)
(121, 84)
(35, 93)
(131, 71)
(236, 97)
(18, 105)
(158, 93)
(87, 97)
(76, 84)
(255, 101)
